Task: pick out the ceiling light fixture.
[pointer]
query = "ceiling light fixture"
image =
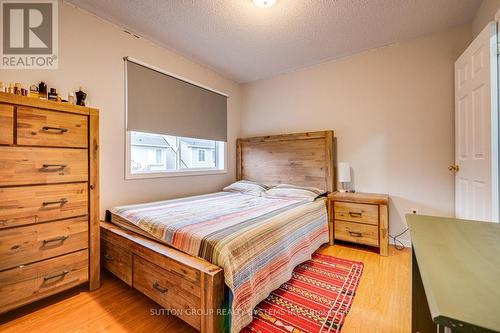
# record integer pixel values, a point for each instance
(264, 3)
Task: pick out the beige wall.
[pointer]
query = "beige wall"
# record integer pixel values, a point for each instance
(393, 113)
(484, 14)
(90, 55)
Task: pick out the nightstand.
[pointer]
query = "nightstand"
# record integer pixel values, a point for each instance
(361, 218)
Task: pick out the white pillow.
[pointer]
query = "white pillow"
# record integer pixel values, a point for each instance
(247, 187)
(293, 192)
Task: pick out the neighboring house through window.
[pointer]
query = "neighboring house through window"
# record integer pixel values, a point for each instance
(156, 153)
(201, 155)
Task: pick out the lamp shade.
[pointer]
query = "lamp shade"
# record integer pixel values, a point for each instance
(344, 172)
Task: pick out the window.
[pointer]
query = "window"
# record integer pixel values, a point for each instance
(201, 155)
(159, 155)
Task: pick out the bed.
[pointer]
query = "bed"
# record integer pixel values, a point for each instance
(183, 252)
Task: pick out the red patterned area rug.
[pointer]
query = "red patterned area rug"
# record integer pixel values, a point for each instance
(316, 299)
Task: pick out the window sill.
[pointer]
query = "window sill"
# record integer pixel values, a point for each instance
(174, 174)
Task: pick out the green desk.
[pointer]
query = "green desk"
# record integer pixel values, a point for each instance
(455, 275)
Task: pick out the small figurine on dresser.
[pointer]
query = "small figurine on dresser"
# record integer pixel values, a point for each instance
(80, 97)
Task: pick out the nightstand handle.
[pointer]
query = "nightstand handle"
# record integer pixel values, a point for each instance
(50, 277)
(355, 214)
(355, 234)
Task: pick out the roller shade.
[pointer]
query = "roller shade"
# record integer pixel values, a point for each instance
(163, 104)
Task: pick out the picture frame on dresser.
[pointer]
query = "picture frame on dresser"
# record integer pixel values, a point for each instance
(49, 189)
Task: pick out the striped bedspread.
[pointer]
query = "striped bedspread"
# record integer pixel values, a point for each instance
(256, 240)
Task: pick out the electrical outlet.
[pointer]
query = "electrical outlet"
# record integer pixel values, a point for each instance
(414, 211)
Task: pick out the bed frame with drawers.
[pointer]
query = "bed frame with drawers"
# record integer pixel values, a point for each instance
(194, 288)
(49, 198)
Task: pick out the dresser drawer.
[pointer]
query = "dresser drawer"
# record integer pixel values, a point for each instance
(167, 289)
(32, 204)
(28, 244)
(25, 284)
(117, 260)
(356, 233)
(356, 212)
(37, 127)
(6, 124)
(29, 166)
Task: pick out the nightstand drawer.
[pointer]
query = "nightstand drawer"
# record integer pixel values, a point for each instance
(356, 212)
(356, 233)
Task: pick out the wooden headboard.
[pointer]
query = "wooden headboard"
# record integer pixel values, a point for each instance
(304, 159)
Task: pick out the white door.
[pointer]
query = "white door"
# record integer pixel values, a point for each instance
(476, 129)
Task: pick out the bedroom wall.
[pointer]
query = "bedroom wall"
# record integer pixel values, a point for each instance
(485, 13)
(91, 55)
(392, 110)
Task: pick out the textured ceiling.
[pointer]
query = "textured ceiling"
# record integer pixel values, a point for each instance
(248, 43)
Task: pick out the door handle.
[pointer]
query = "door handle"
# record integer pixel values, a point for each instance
(454, 168)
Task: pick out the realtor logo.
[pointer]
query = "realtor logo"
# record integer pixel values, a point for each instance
(29, 34)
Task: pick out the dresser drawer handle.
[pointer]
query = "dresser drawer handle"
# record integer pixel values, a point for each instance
(355, 214)
(58, 202)
(58, 129)
(50, 277)
(355, 234)
(157, 286)
(53, 167)
(109, 257)
(56, 239)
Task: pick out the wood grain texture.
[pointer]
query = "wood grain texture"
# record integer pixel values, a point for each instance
(170, 258)
(331, 226)
(34, 204)
(384, 230)
(49, 183)
(365, 209)
(196, 283)
(304, 159)
(36, 127)
(6, 124)
(27, 283)
(43, 104)
(356, 232)
(169, 290)
(94, 212)
(25, 165)
(117, 260)
(356, 212)
(213, 321)
(368, 198)
(382, 303)
(36, 242)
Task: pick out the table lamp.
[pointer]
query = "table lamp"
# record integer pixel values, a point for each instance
(344, 174)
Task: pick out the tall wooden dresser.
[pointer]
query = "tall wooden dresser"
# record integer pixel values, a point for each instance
(49, 198)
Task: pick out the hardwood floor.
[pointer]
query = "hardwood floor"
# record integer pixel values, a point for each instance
(382, 303)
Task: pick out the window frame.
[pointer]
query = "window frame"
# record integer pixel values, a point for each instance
(167, 174)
